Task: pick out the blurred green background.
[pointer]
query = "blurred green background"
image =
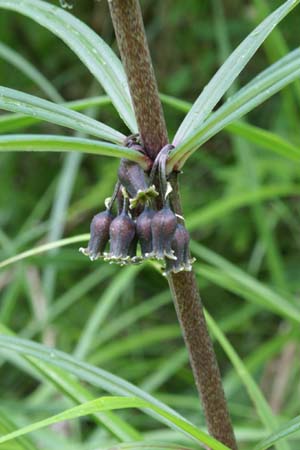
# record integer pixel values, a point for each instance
(241, 203)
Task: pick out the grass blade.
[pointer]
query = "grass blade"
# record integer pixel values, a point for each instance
(14, 58)
(261, 405)
(74, 390)
(110, 404)
(44, 248)
(149, 445)
(88, 46)
(265, 139)
(283, 432)
(229, 71)
(109, 383)
(214, 212)
(261, 293)
(105, 303)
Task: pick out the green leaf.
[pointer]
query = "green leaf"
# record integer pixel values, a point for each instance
(88, 46)
(12, 122)
(253, 94)
(262, 138)
(19, 102)
(229, 71)
(52, 143)
(110, 404)
(30, 71)
(108, 382)
(283, 432)
(265, 139)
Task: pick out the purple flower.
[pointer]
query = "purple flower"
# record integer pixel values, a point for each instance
(143, 229)
(99, 235)
(180, 245)
(163, 226)
(122, 233)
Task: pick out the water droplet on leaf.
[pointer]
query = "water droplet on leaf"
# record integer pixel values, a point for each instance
(67, 4)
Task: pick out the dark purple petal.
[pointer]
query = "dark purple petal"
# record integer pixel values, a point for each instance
(163, 226)
(99, 237)
(143, 229)
(122, 233)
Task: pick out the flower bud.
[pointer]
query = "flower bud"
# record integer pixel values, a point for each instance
(99, 229)
(143, 229)
(180, 245)
(133, 178)
(122, 233)
(163, 226)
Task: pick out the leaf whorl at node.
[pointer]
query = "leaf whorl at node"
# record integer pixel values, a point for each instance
(139, 219)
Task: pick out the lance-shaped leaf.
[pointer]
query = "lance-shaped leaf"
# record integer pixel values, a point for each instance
(88, 46)
(262, 87)
(262, 138)
(229, 71)
(19, 102)
(12, 122)
(50, 143)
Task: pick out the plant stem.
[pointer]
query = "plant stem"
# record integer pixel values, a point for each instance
(129, 29)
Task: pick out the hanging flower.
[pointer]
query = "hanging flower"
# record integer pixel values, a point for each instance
(133, 178)
(180, 246)
(99, 237)
(163, 226)
(122, 233)
(144, 232)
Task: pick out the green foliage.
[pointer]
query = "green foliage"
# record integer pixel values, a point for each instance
(240, 193)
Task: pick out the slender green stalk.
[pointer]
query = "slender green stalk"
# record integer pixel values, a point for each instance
(127, 20)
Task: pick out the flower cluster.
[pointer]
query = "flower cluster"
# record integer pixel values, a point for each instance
(158, 231)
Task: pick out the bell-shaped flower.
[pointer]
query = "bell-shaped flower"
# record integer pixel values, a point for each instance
(180, 246)
(163, 226)
(133, 178)
(122, 233)
(99, 236)
(143, 230)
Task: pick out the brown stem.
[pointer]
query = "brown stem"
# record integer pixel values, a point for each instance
(129, 29)
(133, 46)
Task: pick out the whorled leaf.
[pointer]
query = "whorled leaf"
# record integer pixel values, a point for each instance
(20, 102)
(262, 87)
(87, 45)
(52, 143)
(228, 72)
